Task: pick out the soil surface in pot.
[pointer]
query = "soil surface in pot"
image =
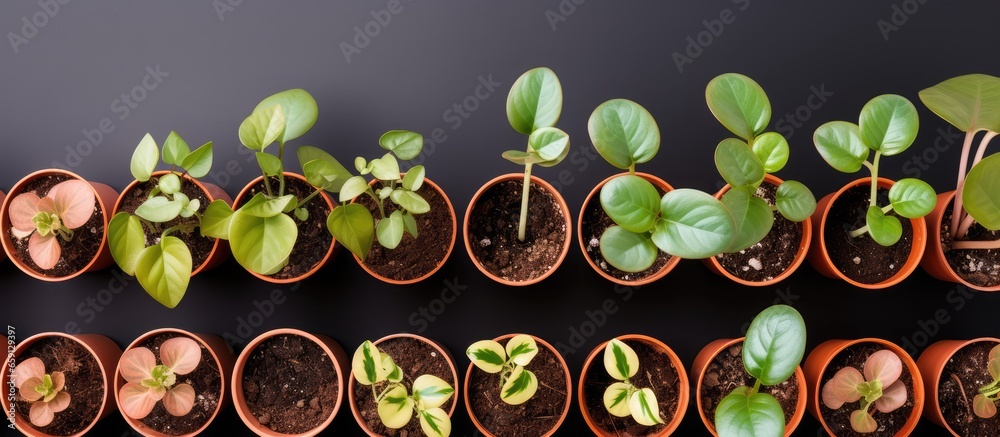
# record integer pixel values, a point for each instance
(978, 267)
(861, 258)
(656, 372)
(290, 384)
(771, 256)
(206, 379)
(493, 226)
(726, 372)
(535, 417)
(415, 358)
(84, 384)
(314, 239)
(595, 222)
(413, 258)
(200, 247)
(970, 366)
(839, 421)
(78, 252)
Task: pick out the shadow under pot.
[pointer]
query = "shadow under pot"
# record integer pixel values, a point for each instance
(72, 244)
(858, 363)
(414, 259)
(659, 370)
(491, 230)
(718, 370)
(313, 245)
(861, 261)
(171, 382)
(592, 223)
(956, 374)
(288, 382)
(978, 269)
(541, 415)
(415, 356)
(81, 364)
(775, 257)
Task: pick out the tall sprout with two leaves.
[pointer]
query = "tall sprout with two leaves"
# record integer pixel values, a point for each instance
(623, 399)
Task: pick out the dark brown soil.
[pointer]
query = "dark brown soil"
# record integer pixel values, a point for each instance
(290, 384)
(206, 380)
(314, 240)
(533, 418)
(656, 372)
(726, 372)
(77, 252)
(493, 226)
(595, 222)
(978, 267)
(861, 258)
(969, 365)
(415, 358)
(839, 421)
(84, 384)
(413, 258)
(199, 246)
(771, 256)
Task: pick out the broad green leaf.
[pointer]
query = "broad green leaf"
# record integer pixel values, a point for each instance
(739, 103)
(299, 111)
(772, 150)
(970, 102)
(216, 219)
(738, 164)
(354, 227)
(488, 355)
(981, 194)
(626, 250)
(262, 127)
(410, 224)
(616, 399)
(884, 229)
(262, 244)
(521, 349)
(366, 365)
(549, 143)
(632, 202)
(260, 206)
(352, 188)
(396, 408)
(841, 146)
(410, 201)
(794, 201)
(521, 385)
(414, 178)
(385, 168)
(624, 133)
(169, 183)
(752, 217)
(269, 164)
(126, 240)
(912, 198)
(620, 361)
(144, 159)
(741, 414)
(390, 230)
(384, 192)
(432, 391)
(164, 270)
(774, 344)
(405, 144)
(522, 158)
(175, 149)
(435, 422)
(392, 372)
(889, 124)
(159, 209)
(199, 162)
(535, 100)
(644, 408)
(694, 225)
(324, 175)
(557, 160)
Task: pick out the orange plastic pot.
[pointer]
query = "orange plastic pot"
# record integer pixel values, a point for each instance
(700, 367)
(102, 348)
(330, 347)
(106, 197)
(934, 261)
(595, 193)
(820, 357)
(683, 388)
(820, 259)
(562, 207)
(932, 363)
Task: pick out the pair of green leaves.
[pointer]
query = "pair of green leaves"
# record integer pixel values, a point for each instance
(623, 399)
(533, 108)
(517, 383)
(261, 233)
(176, 152)
(163, 269)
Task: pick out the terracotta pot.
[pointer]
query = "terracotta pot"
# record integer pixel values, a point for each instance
(332, 349)
(659, 183)
(102, 348)
(333, 243)
(106, 197)
(682, 384)
(700, 367)
(932, 363)
(219, 351)
(562, 206)
(3, 254)
(569, 388)
(820, 259)
(451, 245)
(820, 357)
(807, 233)
(934, 261)
(441, 350)
(220, 250)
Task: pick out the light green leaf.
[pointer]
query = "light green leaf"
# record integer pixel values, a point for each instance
(216, 219)
(549, 143)
(299, 111)
(175, 149)
(488, 355)
(626, 250)
(269, 164)
(522, 158)
(385, 168)
(360, 164)
(739, 103)
(970, 102)
(738, 164)
(352, 188)
(366, 365)
(794, 201)
(774, 344)
(396, 408)
(521, 349)
(410, 224)
(199, 162)
(392, 372)
(644, 408)
(694, 225)
(301, 213)
(260, 206)
(624, 133)
(620, 361)
(889, 124)
(164, 270)
(262, 127)
(403, 143)
(262, 244)
(435, 422)
(557, 160)
(912, 198)
(535, 100)
(169, 183)
(321, 169)
(414, 178)
(384, 192)
(632, 202)
(616, 399)
(410, 201)
(144, 159)
(432, 391)
(126, 240)
(521, 385)
(884, 229)
(981, 194)
(841, 146)
(752, 216)
(772, 150)
(741, 414)
(353, 226)
(159, 209)
(390, 230)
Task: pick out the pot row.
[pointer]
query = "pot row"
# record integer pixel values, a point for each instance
(245, 379)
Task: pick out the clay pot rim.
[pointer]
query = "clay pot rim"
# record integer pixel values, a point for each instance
(934, 229)
(684, 387)
(569, 387)
(667, 268)
(959, 345)
(451, 246)
(562, 206)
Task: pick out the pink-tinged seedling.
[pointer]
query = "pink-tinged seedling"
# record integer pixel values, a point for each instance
(149, 383)
(879, 386)
(67, 206)
(985, 403)
(43, 390)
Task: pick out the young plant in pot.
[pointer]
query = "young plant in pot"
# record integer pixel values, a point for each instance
(517, 233)
(772, 230)
(860, 237)
(964, 229)
(963, 385)
(399, 200)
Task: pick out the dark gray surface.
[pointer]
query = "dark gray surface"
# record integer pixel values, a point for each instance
(431, 56)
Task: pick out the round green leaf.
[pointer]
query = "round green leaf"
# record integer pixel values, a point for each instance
(616, 399)
(126, 240)
(366, 365)
(159, 209)
(772, 150)
(742, 415)
(326, 175)
(624, 133)
(488, 355)
(739, 103)
(175, 149)
(199, 162)
(981, 194)
(970, 102)
(889, 124)
(627, 251)
(794, 201)
(216, 219)
(269, 164)
(620, 360)
(738, 164)
(521, 385)
(354, 187)
(432, 391)
(169, 183)
(694, 225)
(884, 229)
(300, 112)
(262, 244)
(556, 160)
(535, 100)
(395, 408)
(752, 216)
(548, 142)
(405, 144)
(164, 270)
(353, 226)
(521, 349)
(632, 202)
(774, 344)
(144, 159)
(385, 168)
(912, 198)
(390, 230)
(414, 178)
(410, 201)
(262, 127)
(841, 146)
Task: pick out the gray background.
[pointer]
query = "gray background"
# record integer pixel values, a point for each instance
(430, 57)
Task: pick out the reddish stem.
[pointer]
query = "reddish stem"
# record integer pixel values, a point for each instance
(963, 166)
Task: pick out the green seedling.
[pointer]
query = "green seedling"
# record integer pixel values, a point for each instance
(985, 403)
(623, 399)
(879, 388)
(517, 384)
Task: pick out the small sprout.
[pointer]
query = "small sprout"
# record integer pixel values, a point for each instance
(149, 383)
(67, 206)
(984, 404)
(878, 387)
(517, 384)
(43, 390)
(622, 398)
